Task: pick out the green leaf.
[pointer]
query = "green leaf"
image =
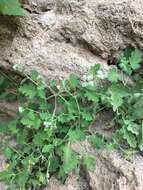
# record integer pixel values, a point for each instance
(127, 52)
(11, 7)
(41, 92)
(87, 116)
(13, 127)
(28, 118)
(135, 59)
(43, 105)
(76, 135)
(28, 90)
(37, 123)
(138, 109)
(22, 178)
(44, 116)
(65, 118)
(110, 146)
(34, 182)
(53, 163)
(113, 75)
(94, 69)
(97, 141)
(124, 65)
(118, 135)
(8, 153)
(92, 96)
(6, 175)
(118, 92)
(116, 101)
(34, 75)
(26, 121)
(131, 139)
(62, 175)
(70, 160)
(57, 142)
(73, 81)
(47, 148)
(42, 177)
(38, 139)
(3, 82)
(31, 119)
(21, 137)
(53, 83)
(72, 107)
(133, 127)
(89, 162)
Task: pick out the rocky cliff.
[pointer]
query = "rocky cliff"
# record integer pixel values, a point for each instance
(58, 37)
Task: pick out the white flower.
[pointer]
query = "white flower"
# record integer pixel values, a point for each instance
(138, 94)
(101, 74)
(84, 77)
(58, 87)
(21, 109)
(47, 124)
(15, 67)
(89, 77)
(84, 84)
(91, 83)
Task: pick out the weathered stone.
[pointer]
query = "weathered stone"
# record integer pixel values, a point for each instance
(105, 26)
(114, 172)
(9, 108)
(71, 35)
(41, 5)
(74, 182)
(32, 47)
(2, 164)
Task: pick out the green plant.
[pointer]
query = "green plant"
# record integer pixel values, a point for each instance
(11, 7)
(44, 129)
(125, 95)
(8, 91)
(52, 119)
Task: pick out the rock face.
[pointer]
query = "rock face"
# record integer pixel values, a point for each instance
(1, 168)
(104, 26)
(36, 45)
(114, 172)
(74, 182)
(58, 37)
